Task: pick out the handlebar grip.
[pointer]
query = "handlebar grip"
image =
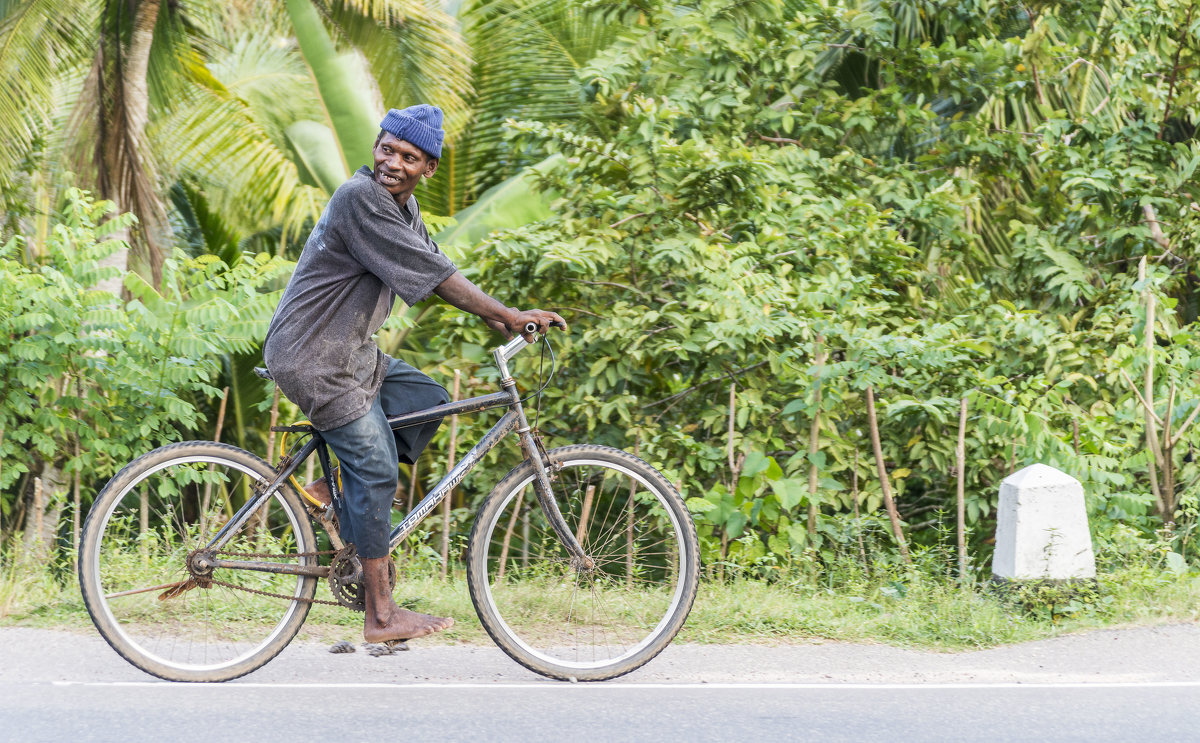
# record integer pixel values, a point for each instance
(532, 327)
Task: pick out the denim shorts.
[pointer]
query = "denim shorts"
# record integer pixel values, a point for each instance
(368, 452)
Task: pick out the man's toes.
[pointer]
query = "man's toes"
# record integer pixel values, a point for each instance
(437, 624)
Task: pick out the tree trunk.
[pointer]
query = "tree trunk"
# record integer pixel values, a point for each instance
(729, 438)
(584, 515)
(76, 508)
(881, 468)
(445, 553)
(77, 487)
(862, 548)
(206, 502)
(45, 510)
(814, 438)
(960, 455)
(412, 487)
(637, 452)
(1, 505)
(274, 420)
(126, 174)
(734, 474)
(259, 526)
(508, 532)
(1168, 459)
(1148, 399)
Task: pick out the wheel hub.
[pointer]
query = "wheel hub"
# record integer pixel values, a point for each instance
(200, 565)
(585, 564)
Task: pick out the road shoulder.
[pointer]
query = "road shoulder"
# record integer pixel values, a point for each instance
(1159, 654)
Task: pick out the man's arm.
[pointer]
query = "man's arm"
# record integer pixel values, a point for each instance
(460, 292)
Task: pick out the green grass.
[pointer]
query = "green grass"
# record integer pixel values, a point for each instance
(926, 614)
(911, 610)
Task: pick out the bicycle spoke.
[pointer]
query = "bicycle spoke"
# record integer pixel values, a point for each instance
(167, 621)
(596, 613)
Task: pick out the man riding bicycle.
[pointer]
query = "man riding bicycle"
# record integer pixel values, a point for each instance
(370, 246)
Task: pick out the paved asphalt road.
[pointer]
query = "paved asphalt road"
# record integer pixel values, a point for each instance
(613, 712)
(1128, 685)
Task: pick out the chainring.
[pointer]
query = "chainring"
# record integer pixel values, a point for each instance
(346, 579)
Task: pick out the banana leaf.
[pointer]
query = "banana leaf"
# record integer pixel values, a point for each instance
(507, 205)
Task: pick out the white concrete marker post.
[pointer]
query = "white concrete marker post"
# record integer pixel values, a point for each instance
(1042, 528)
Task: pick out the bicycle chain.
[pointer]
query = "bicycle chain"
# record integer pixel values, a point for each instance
(269, 594)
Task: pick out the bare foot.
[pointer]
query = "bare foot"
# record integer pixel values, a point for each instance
(385, 621)
(317, 492)
(401, 624)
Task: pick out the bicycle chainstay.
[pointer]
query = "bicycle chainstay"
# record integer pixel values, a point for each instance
(273, 556)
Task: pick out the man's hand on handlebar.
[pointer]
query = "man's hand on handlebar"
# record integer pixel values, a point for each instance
(529, 322)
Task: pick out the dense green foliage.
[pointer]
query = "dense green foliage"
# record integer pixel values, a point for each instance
(806, 201)
(90, 381)
(810, 199)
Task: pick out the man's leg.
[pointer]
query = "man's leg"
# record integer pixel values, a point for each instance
(367, 452)
(406, 390)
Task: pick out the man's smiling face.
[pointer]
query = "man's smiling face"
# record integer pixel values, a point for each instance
(399, 165)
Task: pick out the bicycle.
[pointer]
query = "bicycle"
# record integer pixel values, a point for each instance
(199, 560)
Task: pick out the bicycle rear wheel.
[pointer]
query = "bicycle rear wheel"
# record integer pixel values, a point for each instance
(133, 560)
(591, 621)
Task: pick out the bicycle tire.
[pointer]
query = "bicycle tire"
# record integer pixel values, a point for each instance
(133, 572)
(531, 604)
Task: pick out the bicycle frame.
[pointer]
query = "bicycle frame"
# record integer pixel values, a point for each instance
(514, 418)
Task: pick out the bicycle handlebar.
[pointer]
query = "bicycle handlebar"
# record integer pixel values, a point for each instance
(532, 327)
(508, 350)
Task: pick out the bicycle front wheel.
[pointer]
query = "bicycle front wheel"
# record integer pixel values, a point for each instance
(133, 564)
(594, 619)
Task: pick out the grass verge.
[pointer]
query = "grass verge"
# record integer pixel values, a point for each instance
(910, 610)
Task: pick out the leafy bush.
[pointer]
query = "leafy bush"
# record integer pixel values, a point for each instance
(804, 200)
(91, 380)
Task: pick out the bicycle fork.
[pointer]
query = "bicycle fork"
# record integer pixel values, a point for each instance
(533, 452)
(545, 495)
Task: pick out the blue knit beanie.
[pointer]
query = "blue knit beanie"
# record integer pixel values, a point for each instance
(420, 124)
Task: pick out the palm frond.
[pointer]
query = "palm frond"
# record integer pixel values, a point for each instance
(41, 42)
(1077, 86)
(248, 177)
(265, 70)
(345, 88)
(506, 205)
(122, 166)
(415, 52)
(527, 56)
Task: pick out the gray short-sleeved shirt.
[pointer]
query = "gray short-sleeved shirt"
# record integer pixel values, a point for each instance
(364, 252)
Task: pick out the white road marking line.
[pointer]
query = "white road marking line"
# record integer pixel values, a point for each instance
(641, 686)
